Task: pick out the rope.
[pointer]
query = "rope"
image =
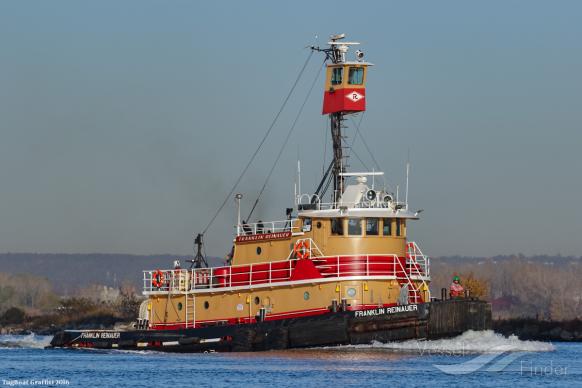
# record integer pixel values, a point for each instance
(260, 144)
(286, 140)
(365, 144)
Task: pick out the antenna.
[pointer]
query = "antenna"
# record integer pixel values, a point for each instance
(299, 176)
(407, 173)
(237, 198)
(397, 187)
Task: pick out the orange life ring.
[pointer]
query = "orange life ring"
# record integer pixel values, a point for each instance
(158, 279)
(302, 249)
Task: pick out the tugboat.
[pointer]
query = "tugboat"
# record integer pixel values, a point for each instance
(340, 271)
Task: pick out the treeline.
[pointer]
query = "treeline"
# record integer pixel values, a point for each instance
(546, 288)
(28, 303)
(27, 292)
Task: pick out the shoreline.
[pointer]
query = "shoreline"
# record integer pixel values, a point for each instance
(540, 330)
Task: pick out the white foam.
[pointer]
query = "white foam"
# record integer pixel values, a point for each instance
(30, 341)
(486, 341)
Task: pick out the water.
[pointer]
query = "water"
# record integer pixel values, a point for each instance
(481, 358)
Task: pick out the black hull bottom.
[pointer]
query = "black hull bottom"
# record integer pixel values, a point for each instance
(433, 320)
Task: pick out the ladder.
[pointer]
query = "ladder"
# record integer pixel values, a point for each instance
(190, 313)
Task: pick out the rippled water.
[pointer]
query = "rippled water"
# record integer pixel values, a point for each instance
(473, 359)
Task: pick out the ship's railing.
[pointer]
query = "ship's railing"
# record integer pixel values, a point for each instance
(418, 265)
(187, 280)
(313, 202)
(292, 225)
(418, 262)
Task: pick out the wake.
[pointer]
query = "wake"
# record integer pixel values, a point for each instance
(486, 341)
(29, 341)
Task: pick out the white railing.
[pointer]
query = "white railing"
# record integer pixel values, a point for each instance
(405, 270)
(418, 265)
(292, 225)
(311, 247)
(304, 203)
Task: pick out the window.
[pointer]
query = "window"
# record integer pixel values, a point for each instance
(400, 227)
(180, 306)
(372, 227)
(259, 250)
(206, 305)
(257, 300)
(337, 226)
(387, 230)
(356, 76)
(306, 295)
(355, 227)
(307, 225)
(337, 75)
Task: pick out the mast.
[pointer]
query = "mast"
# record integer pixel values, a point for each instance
(338, 162)
(344, 94)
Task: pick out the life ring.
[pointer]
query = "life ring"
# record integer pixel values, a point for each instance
(158, 279)
(302, 249)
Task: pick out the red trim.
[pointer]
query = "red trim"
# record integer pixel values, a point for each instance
(270, 317)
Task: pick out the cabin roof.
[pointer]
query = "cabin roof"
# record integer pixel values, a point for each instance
(359, 212)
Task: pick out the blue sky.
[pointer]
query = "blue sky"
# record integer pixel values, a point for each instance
(124, 123)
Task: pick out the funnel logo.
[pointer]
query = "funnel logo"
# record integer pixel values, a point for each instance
(354, 96)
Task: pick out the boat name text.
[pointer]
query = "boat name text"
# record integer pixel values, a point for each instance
(263, 237)
(100, 335)
(385, 310)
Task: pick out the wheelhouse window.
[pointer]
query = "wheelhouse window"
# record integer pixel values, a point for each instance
(337, 75)
(355, 227)
(387, 227)
(400, 228)
(356, 76)
(337, 226)
(372, 227)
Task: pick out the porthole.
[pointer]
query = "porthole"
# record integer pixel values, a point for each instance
(257, 300)
(179, 306)
(206, 305)
(306, 295)
(318, 224)
(351, 292)
(259, 250)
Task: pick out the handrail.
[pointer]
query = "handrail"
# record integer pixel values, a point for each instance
(389, 265)
(253, 228)
(363, 204)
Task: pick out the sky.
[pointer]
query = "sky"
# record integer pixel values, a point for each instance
(124, 124)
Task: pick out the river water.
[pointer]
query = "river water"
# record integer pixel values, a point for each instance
(472, 359)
